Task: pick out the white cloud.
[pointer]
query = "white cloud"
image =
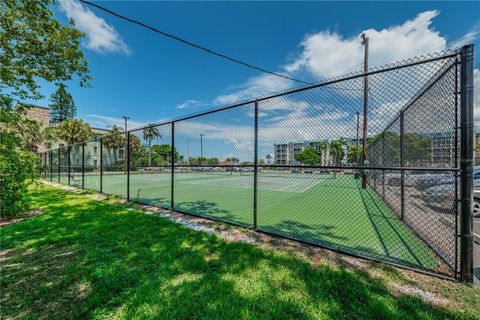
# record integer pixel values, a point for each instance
(256, 86)
(98, 120)
(467, 38)
(190, 103)
(327, 54)
(101, 36)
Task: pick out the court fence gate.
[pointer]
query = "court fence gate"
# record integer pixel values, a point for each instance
(290, 164)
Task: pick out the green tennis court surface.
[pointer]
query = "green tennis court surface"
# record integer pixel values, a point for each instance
(325, 209)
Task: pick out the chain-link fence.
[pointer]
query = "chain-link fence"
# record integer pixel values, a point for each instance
(295, 165)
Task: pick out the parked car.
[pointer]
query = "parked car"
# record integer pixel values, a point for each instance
(423, 184)
(440, 197)
(295, 171)
(308, 171)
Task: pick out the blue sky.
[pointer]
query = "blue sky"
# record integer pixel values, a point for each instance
(149, 77)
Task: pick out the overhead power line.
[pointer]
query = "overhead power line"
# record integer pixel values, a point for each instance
(221, 55)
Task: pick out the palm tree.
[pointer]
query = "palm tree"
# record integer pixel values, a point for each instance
(150, 133)
(337, 149)
(74, 131)
(114, 139)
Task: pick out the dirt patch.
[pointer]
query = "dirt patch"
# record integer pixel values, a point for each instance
(11, 220)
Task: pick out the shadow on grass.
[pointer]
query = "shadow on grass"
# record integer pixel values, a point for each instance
(88, 259)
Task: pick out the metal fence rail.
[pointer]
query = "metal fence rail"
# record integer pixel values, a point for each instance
(289, 164)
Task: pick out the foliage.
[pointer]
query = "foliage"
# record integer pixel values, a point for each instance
(34, 46)
(353, 152)
(337, 149)
(18, 164)
(307, 156)
(74, 131)
(62, 106)
(150, 133)
(113, 140)
(417, 147)
(232, 159)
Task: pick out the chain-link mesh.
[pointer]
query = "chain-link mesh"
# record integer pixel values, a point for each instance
(218, 147)
(114, 164)
(293, 164)
(91, 162)
(150, 165)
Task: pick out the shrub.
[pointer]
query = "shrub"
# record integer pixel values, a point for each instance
(18, 164)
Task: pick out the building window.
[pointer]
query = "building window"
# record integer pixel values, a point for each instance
(95, 163)
(95, 150)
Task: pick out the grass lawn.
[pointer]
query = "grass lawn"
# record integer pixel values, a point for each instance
(83, 258)
(334, 212)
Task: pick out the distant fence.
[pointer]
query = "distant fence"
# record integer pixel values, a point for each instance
(292, 164)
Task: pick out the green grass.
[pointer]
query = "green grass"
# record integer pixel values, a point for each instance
(334, 212)
(87, 259)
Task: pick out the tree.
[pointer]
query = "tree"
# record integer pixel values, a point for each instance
(18, 164)
(337, 149)
(62, 106)
(307, 156)
(34, 46)
(113, 140)
(353, 152)
(232, 159)
(74, 131)
(212, 161)
(162, 154)
(417, 147)
(149, 134)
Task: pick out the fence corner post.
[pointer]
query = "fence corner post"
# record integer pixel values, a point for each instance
(466, 164)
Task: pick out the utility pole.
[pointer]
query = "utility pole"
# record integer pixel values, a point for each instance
(365, 109)
(201, 148)
(357, 151)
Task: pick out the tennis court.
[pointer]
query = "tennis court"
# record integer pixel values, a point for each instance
(328, 209)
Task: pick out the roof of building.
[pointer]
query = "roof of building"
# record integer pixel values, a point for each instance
(30, 105)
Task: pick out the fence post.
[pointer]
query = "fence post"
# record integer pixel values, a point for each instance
(402, 173)
(101, 165)
(58, 176)
(83, 165)
(255, 168)
(466, 164)
(69, 150)
(172, 168)
(45, 165)
(128, 166)
(383, 164)
(51, 165)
